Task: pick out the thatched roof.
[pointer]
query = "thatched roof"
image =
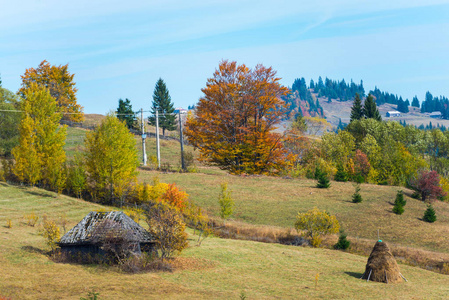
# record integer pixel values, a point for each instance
(81, 234)
(381, 265)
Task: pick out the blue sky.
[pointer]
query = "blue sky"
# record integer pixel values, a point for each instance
(118, 49)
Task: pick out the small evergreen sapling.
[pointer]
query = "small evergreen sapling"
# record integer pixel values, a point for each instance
(399, 203)
(323, 181)
(429, 214)
(342, 243)
(356, 197)
(341, 174)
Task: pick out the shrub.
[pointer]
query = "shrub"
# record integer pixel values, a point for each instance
(31, 219)
(400, 198)
(316, 223)
(323, 181)
(342, 243)
(175, 197)
(199, 221)
(167, 227)
(134, 213)
(356, 197)
(226, 202)
(51, 233)
(398, 208)
(8, 223)
(429, 214)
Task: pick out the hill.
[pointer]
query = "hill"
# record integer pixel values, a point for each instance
(219, 269)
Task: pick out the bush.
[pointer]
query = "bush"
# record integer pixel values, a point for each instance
(31, 219)
(342, 243)
(316, 223)
(356, 197)
(51, 233)
(429, 214)
(226, 202)
(398, 209)
(167, 227)
(175, 197)
(400, 198)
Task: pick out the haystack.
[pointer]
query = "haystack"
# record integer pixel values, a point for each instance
(382, 266)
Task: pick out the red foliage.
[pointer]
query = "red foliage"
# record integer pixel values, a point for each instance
(175, 197)
(361, 163)
(428, 185)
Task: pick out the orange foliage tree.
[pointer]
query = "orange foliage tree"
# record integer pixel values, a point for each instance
(59, 82)
(234, 121)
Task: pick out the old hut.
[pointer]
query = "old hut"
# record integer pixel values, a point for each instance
(381, 265)
(97, 228)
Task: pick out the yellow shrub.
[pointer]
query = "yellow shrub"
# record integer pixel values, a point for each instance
(316, 223)
(8, 224)
(444, 184)
(134, 213)
(31, 219)
(51, 233)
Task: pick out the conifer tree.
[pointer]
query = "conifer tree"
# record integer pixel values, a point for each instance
(356, 197)
(125, 112)
(162, 103)
(341, 174)
(40, 155)
(357, 110)
(370, 109)
(429, 214)
(342, 243)
(323, 181)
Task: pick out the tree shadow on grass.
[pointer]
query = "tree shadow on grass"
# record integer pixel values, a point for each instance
(357, 275)
(40, 194)
(32, 249)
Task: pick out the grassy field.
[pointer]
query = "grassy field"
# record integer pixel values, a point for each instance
(219, 269)
(276, 201)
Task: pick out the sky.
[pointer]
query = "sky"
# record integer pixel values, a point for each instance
(119, 49)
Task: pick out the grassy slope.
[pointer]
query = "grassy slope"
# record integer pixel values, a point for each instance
(276, 201)
(218, 269)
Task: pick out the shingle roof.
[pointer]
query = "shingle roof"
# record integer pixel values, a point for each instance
(81, 234)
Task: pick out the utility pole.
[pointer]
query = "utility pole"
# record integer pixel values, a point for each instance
(158, 149)
(143, 138)
(181, 140)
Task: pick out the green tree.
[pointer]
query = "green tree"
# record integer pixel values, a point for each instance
(415, 102)
(40, 155)
(162, 103)
(370, 109)
(125, 112)
(341, 174)
(111, 160)
(429, 214)
(226, 202)
(357, 110)
(342, 243)
(9, 121)
(323, 181)
(356, 197)
(316, 223)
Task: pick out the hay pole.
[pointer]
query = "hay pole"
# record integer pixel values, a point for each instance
(403, 277)
(369, 275)
(386, 276)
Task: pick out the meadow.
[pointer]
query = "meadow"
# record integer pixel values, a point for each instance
(219, 268)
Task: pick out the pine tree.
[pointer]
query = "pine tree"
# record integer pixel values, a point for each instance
(342, 243)
(162, 103)
(370, 109)
(341, 174)
(323, 181)
(125, 112)
(40, 155)
(429, 214)
(415, 102)
(356, 197)
(400, 198)
(356, 110)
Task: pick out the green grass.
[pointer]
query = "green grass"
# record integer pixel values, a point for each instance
(219, 269)
(276, 201)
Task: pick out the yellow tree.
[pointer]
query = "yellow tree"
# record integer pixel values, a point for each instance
(111, 160)
(40, 155)
(59, 82)
(233, 126)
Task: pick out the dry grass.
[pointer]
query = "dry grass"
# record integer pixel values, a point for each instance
(219, 269)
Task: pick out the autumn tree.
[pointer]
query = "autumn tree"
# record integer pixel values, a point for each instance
(234, 121)
(40, 155)
(162, 103)
(111, 160)
(427, 184)
(59, 82)
(125, 112)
